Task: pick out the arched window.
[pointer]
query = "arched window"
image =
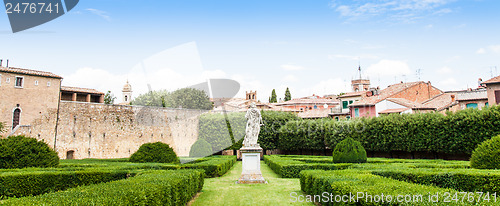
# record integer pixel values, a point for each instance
(126, 98)
(16, 117)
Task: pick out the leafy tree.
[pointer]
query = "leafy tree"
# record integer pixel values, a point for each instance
(273, 97)
(190, 98)
(485, 156)
(109, 98)
(288, 96)
(152, 98)
(349, 151)
(200, 148)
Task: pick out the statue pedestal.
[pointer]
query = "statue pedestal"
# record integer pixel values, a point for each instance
(251, 166)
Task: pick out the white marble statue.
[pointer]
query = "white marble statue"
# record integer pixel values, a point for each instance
(254, 121)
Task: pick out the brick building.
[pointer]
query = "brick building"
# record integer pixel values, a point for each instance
(493, 90)
(26, 94)
(396, 98)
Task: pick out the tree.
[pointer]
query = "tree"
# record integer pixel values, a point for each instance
(152, 98)
(1, 127)
(109, 98)
(190, 98)
(273, 97)
(288, 96)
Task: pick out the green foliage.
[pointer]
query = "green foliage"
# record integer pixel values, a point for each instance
(290, 168)
(458, 179)
(217, 131)
(214, 166)
(190, 98)
(151, 188)
(288, 96)
(21, 152)
(155, 152)
(1, 127)
(346, 182)
(152, 98)
(456, 133)
(200, 148)
(26, 183)
(273, 98)
(109, 98)
(349, 151)
(486, 155)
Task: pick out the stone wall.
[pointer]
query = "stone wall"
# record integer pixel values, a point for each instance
(93, 130)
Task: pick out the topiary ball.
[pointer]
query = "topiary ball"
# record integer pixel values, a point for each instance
(21, 152)
(155, 152)
(486, 155)
(349, 151)
(200, 148)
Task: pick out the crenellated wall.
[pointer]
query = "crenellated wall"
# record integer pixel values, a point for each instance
(93, 130)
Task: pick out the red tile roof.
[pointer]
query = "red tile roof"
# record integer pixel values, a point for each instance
(80, 90)
(386, 93)
(405, 102)
(492, 80)
(29, 72)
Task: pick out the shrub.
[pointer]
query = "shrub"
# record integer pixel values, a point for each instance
(287, 167)
(214, 166)
(486, 155)
(349, 151)
(155, 152)
(200, 148)
(21, 152)
(173, 187)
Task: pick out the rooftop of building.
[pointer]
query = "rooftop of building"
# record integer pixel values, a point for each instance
(29, 72)
(386, 93)
(80, 90)
(492, 80)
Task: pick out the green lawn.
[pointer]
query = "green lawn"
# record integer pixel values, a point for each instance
(224, 190)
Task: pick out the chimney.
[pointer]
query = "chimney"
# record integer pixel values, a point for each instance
(452, 98)
(7, 63)
(1, 60)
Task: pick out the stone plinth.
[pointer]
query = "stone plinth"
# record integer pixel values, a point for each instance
(251, 166)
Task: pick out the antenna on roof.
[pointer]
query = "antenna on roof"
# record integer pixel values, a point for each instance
(7, 63)
(419, 73)
(359, 67)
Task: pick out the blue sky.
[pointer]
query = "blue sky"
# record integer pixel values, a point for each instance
(309, 46)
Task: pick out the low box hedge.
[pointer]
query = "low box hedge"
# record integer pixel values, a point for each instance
(327, 186)
(290, 168)
(466, 180)
(173, 187)
(20, 184)
(214, 166)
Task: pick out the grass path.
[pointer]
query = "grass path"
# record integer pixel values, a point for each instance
(224, 190)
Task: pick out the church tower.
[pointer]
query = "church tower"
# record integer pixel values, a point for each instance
(127, 93)
(360, 84)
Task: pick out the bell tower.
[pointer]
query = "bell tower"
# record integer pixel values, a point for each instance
(127, 93)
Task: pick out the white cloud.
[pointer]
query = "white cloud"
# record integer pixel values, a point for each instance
(388, 68)
(448, 84)
(100, 13)
(481, 51)
(400, 10)
(495, 48)
(445, 70)
(291, 67)
(290, 78)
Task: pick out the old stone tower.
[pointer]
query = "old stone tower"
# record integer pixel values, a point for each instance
(252, 95)
(127, 93)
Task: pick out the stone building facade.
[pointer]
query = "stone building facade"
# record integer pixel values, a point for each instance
(25, 95)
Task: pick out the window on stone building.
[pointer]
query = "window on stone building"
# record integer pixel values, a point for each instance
(345, 104)
(337, 118)
(48, 84)
(486, 104)
(19, 82)
(36, 83)
(356, 112)
(471, 105)
(7, 80)
(348, 117)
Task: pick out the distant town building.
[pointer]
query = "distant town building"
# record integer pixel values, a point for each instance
(127, 93)
(493, 90)
(77, 94)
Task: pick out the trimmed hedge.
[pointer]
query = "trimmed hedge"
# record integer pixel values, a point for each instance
(151, 188)
(20, 184)
(486, 155)
(214, 166)
(201, 148)
(217, 132)
(289, 168)
(21, 152)
(155, 152)
(354, 182)
(349, 151)
(455, 133)
(466, 180)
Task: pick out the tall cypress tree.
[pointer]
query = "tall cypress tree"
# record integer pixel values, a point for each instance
(288, 96)
(273, 97)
